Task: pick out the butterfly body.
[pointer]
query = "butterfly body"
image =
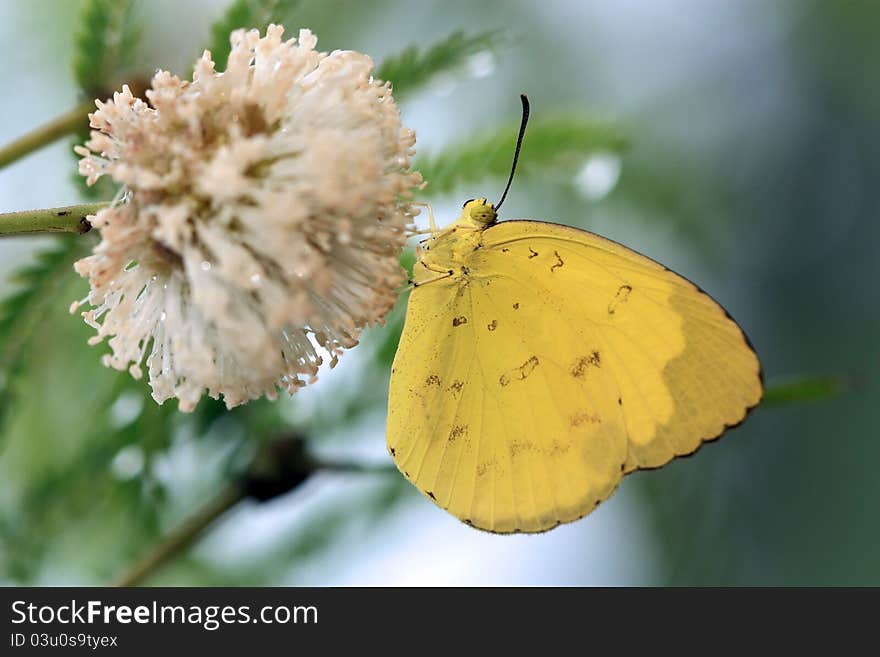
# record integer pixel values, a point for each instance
(447, 251)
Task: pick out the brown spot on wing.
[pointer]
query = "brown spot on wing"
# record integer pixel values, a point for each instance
(456, 386)
(526, 446)
(585, 417)
(432, 380)
(456, 432)
(581, 365)
(557, 448)
(520, 373)
(458, 321)
(519, 446)
(516, 306)
(492, 325)
(527, 368)
(485, 466)
(620, 297)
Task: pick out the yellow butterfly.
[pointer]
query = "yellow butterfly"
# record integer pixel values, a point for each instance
(540, 363)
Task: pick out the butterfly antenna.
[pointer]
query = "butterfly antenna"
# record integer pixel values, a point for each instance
(519, 140)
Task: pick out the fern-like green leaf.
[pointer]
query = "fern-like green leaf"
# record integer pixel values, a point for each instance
(550, 144)
(35, 285)
(105, 41)
(104, 44)
(414, 67)
(246, 14)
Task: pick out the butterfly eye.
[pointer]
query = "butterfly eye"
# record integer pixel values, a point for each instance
(470, 200)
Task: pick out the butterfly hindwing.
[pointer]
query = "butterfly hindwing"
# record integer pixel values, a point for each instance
(482, 417)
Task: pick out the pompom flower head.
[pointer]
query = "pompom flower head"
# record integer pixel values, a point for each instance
(264, 209)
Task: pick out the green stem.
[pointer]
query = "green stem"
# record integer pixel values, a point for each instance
(352, 466)
(68, 219)
(66, 124)
(181, 538)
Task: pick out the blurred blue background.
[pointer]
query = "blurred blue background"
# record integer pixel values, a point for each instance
(752, 169)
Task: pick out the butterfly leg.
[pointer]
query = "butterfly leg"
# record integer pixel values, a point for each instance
(433, 224)
(442, 273)
(413, 284)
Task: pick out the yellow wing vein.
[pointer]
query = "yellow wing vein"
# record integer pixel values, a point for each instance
(559, 409)
(535, 427)
(427, 443)
(454, 419)
(479, 439)
(635, 384)
(495, 444)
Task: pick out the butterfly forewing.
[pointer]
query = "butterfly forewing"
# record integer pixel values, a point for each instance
(685, 369)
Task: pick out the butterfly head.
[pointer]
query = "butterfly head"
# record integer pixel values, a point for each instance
(479, 211)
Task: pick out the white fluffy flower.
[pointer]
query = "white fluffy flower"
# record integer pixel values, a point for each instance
(264, 211)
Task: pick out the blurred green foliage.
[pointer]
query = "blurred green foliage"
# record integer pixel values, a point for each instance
(414, 67)
(555, 145)
(804, 388)
(35, 287)
(105, 470)
(106, 44)
(247, 14)
(105, 51)
(89, 486)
